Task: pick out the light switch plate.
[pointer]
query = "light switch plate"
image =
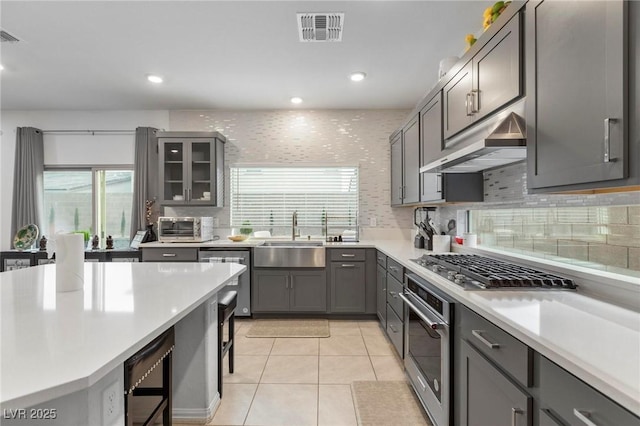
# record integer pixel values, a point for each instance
(372, 221)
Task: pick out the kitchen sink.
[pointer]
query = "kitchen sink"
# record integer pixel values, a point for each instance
(291, 243)
(289, 254)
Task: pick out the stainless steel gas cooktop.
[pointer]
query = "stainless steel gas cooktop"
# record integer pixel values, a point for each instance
(478, 272)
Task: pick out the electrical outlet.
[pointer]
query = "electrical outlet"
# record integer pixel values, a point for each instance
(110, 403)
(372, 221)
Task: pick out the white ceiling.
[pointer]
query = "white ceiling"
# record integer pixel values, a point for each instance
(94, 55)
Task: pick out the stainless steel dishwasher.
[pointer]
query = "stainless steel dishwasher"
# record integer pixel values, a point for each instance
(242, 256)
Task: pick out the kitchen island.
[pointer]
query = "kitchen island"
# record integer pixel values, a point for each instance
(64, 352)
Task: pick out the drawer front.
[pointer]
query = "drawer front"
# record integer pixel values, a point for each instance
(570, 400)
(394, 287)
(382, 259)
(350, 255)
(182, 254)
(395, 331)
(504, 350)
(395, 269)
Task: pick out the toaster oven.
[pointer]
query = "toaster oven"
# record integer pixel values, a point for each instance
(185, 229)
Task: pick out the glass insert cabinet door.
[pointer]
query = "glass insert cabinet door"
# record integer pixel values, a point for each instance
(187, 170)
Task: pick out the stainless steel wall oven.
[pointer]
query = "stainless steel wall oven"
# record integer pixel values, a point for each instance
(428, 336)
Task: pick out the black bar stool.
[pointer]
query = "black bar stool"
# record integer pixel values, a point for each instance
(138, 367)
(226, 309)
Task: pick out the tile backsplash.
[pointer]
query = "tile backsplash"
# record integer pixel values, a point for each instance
(605, 235)
(593, 230)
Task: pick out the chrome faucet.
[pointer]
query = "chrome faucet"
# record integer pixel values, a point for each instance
(294, 224)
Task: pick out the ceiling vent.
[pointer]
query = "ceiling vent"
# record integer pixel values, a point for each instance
(320, 26)
(6, 37)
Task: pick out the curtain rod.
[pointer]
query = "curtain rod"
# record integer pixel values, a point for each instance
(92, 132)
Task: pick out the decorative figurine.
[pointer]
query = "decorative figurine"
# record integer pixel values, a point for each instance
(109, 243)
(95, 243)
(43, 243)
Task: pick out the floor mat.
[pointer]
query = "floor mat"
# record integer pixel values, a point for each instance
(289, 328)
(387, 403)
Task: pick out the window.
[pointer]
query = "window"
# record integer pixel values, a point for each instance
(94, 201)
(264, 198)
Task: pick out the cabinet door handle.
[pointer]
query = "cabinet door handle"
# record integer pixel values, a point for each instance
(467, 104)
(347, 255)
(290, 282)
(169, 255)
(607, 139)
(439, 182)
(393, 268)
(514, 415)
(393, 294)
(583, 416)
(286, 282)
(479, 336)
(475, 101)
(189, 194)
(393, 328)
(185, 194)
(400, 196)
(348, 265)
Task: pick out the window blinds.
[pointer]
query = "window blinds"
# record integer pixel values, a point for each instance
(267, 196)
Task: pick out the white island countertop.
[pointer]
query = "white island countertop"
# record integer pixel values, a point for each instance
(54, 343)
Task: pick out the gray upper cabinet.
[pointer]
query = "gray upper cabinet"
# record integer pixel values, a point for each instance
(396, 169)
(405, 164)
(576, 93)
(489, 81)
(457, 101)
(411, 162)
(439, 187)
(191, 168)
(497, 70)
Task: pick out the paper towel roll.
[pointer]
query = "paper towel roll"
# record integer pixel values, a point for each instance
(69, 262)
(441, 243)
(469, 239)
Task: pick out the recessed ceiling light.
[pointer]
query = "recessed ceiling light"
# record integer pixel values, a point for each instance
(296, 100)
(357, 76)
(175, 151)
(154, 78)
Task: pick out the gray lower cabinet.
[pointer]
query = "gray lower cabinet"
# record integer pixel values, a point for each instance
(381, 295)
(577, 118)
(488, 397)
(170, 254)
(566, 400)
(289, 290)
(395, 331)
(348, 287)
(308, 291)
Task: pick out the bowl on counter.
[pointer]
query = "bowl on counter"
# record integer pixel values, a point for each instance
(238, 238)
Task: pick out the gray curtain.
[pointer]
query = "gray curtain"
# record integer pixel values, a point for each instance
(145, 177)
(28, 173)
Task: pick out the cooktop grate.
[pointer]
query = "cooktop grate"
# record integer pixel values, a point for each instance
(492, 273)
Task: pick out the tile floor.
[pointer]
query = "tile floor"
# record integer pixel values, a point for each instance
(304, 381)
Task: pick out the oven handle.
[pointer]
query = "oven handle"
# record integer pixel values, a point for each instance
(433, 324)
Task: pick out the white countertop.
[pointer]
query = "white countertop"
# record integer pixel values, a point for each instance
(596, 341)
(54, 343)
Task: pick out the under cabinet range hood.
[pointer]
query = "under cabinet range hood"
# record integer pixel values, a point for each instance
(506, 144)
